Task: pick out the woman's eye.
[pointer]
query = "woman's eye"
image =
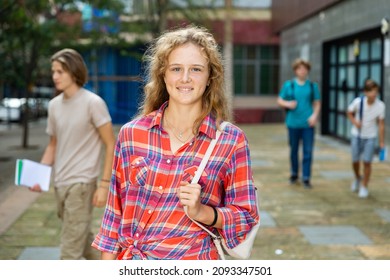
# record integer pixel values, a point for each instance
(175, 69)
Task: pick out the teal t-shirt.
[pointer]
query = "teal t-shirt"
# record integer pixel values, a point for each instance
(298, 118)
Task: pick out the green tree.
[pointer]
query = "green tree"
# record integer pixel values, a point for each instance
(31, 29)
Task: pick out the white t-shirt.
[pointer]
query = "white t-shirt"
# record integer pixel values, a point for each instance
(74, 123)
(371, 114)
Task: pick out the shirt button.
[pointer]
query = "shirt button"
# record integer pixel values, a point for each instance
(150, 212)
(160, 187)
(137, 235)
(168, 161)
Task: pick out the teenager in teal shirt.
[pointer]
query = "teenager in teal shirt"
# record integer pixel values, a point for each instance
(301, 99)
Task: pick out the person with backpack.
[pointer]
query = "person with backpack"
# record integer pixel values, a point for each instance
(367, 115)
(301, 99)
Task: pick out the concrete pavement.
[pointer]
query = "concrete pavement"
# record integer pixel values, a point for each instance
(326, 222)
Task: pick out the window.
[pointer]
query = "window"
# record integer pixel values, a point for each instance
(256, 70)
(252, 4)
(221, 3)
(349, 62)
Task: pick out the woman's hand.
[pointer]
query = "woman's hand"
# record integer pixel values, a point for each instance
(189, 195)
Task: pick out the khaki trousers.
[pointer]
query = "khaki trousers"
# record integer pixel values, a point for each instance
(74, 203)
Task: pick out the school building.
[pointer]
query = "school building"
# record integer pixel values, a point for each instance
(346, 42)
(255, 63)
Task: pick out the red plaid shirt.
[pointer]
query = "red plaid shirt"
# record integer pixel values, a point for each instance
(143, 215)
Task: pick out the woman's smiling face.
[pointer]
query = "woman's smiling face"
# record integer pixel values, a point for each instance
(187, 75)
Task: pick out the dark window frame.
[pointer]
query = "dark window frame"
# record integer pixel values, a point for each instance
(258, 62)
(356, 87)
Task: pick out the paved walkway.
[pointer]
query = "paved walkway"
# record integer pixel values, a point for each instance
(326, 222)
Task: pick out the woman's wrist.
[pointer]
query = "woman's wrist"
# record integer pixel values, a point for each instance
(215, 217)
(208, 215)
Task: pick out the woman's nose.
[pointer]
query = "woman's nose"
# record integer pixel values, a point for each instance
(186, 76)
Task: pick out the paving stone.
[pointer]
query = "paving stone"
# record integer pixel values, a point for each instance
(322, 235)
(285, 209)
(266, 219)
(325, 157)
(331, 142)
(261, 163)
(376, 251)
(336, 175)
(384, 214)
(336, 252)
(278, 138)
(40, 253)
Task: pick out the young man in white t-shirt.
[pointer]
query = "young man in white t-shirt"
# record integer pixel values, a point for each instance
(79, 126)
(367, 115)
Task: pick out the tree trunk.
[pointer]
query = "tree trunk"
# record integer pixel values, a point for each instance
(162, 21)
(31, 66)
(228, 52)
(26, 117)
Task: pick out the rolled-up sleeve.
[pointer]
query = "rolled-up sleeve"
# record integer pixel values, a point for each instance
(240, 212)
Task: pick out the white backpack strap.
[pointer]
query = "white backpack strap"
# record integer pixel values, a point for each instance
(198, 173)
(207, 155)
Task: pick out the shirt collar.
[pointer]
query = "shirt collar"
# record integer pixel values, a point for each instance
(207, 127)
(157, 118)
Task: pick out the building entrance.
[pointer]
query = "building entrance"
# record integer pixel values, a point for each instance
(347, 63)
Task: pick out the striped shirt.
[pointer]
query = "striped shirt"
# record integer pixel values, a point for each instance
(143, 215)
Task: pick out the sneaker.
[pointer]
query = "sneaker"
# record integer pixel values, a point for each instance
(363, 192)
(307, 185)
(355, 185)
(293, 180)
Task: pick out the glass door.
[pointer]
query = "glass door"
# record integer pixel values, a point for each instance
(348, 62)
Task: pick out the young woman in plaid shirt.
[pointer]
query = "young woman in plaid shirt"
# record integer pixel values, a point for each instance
(159, 151)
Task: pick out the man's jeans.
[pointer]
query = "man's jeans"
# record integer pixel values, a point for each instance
(295, 136)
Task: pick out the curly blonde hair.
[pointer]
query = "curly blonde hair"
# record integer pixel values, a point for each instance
(214, 99)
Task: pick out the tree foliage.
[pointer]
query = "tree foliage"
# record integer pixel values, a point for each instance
(30, 30)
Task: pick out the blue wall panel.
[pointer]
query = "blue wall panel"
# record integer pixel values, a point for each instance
(121, 95)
